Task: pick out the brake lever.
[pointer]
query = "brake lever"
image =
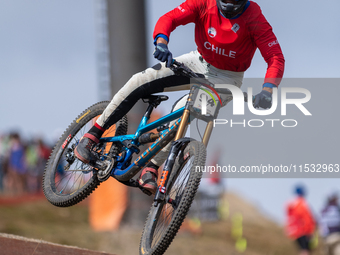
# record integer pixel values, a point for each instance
(180, 69)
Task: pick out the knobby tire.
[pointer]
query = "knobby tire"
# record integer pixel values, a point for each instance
(165, 220)
(66, 184)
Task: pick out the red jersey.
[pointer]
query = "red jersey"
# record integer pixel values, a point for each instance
(228, 44)
(300, 220)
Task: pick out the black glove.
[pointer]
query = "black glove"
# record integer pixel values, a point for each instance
(263, 99)
(163, 54)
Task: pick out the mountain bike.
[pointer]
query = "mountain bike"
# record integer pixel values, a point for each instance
(67, 180)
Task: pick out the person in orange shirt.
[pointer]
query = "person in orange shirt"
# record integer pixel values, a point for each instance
(300, 223)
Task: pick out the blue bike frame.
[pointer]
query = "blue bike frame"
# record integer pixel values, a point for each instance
(149, 153)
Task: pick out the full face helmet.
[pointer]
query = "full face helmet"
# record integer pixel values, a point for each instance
(231, 8)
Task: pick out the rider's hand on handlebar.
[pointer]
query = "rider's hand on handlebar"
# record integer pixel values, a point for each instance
(162, 53)
(263, 100)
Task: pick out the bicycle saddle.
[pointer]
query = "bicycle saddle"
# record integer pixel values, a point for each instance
(153, 99)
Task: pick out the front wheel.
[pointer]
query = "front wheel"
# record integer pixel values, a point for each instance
(67, 180)
(165, 219)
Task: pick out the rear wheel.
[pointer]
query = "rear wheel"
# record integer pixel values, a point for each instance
(165, 219)
(67, 180)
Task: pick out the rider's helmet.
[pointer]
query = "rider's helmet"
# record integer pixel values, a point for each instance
(300, 190)
(231, 8)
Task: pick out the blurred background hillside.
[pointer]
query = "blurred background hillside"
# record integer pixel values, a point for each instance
(69, 226)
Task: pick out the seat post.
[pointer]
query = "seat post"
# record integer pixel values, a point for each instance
(153, 102)
(149, 110)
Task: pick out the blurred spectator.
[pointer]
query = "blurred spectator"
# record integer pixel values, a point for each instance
(22, 164)
(300, 224)
(4, 146)
(16, 176)
(32, 161)
(44, 154)
(330, 225)
(37, 154)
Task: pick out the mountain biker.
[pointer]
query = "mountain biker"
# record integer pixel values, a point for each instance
(227, 34)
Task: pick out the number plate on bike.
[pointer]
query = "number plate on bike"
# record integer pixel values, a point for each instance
(205, 103)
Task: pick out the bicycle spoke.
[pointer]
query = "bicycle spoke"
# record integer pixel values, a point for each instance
(61, 191)
(74, 182)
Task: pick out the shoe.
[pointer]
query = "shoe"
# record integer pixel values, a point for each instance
(83, 151)
(148, 179)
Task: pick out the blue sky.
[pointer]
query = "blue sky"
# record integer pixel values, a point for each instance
(48, 63)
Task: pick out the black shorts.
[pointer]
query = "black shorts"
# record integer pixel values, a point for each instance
(303, 242)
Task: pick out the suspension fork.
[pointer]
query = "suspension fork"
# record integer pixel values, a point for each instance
(185, 116)
(168, 166)
(178, 143)
(207, 133)
(184, 123)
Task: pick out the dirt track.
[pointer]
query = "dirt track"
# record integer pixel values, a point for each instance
(16, 245)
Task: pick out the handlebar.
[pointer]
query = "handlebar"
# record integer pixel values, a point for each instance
(181, 69)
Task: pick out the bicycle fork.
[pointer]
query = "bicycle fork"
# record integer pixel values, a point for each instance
(175, 148)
